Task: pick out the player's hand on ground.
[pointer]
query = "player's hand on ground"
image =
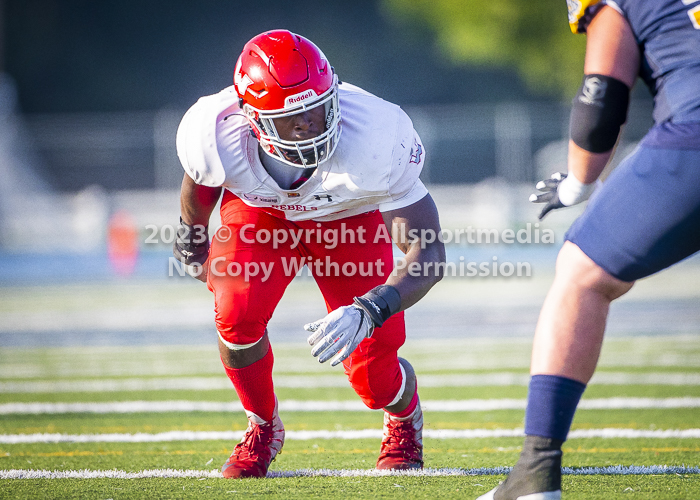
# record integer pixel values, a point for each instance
(560, 191)
(337, 335)
(191, 247)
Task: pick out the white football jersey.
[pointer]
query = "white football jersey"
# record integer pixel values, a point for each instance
(376, 164)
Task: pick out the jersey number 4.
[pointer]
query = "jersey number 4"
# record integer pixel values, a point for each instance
(694, 13)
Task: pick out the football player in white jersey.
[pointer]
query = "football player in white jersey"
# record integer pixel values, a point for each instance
(315, 172)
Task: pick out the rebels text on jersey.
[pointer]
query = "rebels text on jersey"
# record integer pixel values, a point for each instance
(376, 165)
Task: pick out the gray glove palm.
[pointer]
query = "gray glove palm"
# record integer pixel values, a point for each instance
(338, 334)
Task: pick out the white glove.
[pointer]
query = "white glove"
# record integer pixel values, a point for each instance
(562, 190)
(338, 334)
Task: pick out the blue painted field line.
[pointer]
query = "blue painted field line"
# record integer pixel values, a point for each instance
(215, 473)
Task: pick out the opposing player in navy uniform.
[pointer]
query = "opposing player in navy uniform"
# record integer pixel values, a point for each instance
(644, 218)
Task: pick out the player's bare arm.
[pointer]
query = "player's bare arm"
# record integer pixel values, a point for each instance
(611, 68)
(197, 202)
(426, 254)
(192, 244)
(337, 335)
(611, 50)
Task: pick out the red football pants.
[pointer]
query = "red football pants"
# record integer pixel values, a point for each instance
(345, 262)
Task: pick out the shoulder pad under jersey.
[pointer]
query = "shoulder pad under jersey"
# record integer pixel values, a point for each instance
(197, 139)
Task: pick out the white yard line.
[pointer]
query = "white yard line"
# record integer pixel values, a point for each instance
(325, 434)
(291, 358)
(180, 473)
(307, 382)
(318, 406)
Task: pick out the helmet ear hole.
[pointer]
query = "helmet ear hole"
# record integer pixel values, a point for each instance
(240, 103)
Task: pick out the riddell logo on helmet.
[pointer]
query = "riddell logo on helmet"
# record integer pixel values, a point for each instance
(297, 98)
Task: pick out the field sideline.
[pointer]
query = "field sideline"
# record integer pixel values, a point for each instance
(129, 427)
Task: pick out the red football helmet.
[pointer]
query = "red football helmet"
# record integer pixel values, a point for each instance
(280, 74)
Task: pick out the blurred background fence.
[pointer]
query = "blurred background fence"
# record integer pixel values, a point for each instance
(91, 95)
(467, 143)
(86, 166)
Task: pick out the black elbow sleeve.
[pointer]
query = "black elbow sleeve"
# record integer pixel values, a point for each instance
(599, 110)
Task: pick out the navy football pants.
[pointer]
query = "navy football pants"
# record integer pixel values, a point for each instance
(646, 216)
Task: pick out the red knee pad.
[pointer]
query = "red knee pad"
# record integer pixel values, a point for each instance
(237, 327)
(374, 373)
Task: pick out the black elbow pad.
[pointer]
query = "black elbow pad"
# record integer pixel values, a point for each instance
(599, 110)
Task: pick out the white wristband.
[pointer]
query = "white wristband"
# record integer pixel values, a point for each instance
(571, 191)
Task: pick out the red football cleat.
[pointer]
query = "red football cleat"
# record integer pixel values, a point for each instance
(262, 442)
(402, 445)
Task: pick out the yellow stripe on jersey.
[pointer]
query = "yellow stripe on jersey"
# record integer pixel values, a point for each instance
(577, 10)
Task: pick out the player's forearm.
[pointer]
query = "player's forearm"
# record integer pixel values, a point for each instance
(415, 229)
(423, 268)
(586, 166)
(197, 202)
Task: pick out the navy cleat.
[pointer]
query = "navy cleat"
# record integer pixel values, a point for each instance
(536, 475)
